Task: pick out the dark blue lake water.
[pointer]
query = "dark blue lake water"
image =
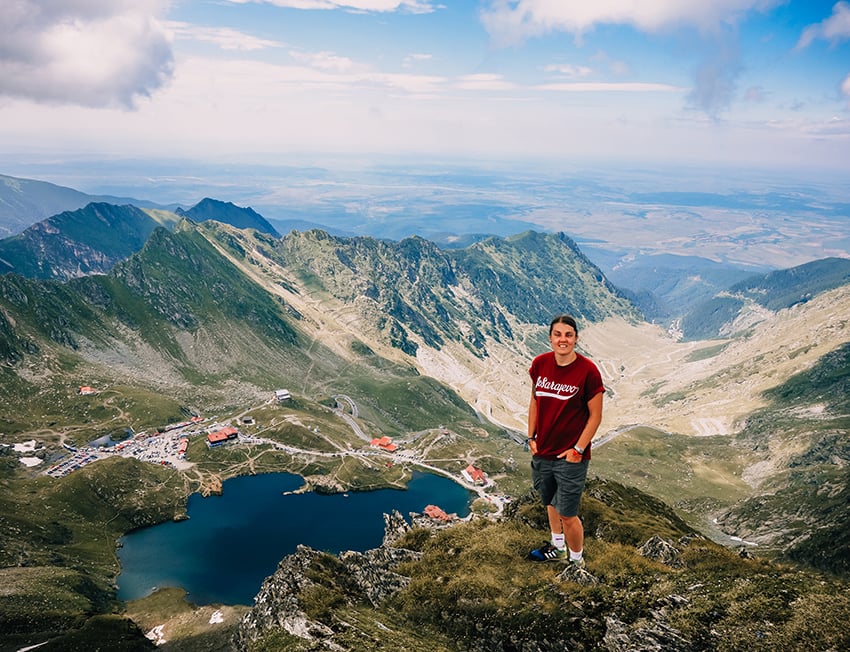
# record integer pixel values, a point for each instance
(232, 542)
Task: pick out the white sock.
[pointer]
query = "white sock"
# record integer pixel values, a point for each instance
(559, 541)
(576, 556)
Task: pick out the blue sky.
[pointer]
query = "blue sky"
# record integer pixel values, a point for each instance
(758, 83)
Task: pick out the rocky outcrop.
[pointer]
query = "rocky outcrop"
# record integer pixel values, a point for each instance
(575, 573)
(662, 551)
(277, 605)
(651, 636)
(367, 577)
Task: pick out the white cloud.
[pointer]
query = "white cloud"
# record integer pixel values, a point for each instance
(223, 37)
(512, 21)
(716, 78)
(835, 127)
(835, 28)
(620, 87)
(413, 6)
(271, 85)
(484, 82)
(568, 70)
(412, 59)
(89, 52)
(327, 61)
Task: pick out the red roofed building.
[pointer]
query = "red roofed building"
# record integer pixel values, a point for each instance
(222, 436)
(434, 512)
(474, 475)
(384, 443)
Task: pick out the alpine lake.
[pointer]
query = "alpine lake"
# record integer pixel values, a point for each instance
(231, 542)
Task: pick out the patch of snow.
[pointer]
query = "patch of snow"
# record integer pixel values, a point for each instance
(156, 635)
(32, 647)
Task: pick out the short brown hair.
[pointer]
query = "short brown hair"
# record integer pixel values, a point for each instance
(569, 320)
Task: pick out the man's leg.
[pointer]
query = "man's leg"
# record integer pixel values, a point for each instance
(574, 533)
(555, 520)
(571, 478)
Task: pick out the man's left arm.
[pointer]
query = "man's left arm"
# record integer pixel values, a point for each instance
(594, 407)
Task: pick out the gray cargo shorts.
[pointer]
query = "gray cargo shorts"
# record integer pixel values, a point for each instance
(559, 483)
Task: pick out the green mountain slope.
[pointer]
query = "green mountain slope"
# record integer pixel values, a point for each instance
(788, 287)
(411, 293)
(532, 274)
(75, 243)
(210, 319)
(666, 286)
(179, 318)
(803, 509)
(768, 292)
(24, 202)
(229, 213)
(91, 240)
(54, 572)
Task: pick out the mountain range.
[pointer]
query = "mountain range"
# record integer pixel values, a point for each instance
(24, 202)
(209, 309)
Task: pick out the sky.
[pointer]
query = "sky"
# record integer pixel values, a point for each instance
(762, 83)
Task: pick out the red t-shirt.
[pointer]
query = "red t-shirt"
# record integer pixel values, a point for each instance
(562, 394)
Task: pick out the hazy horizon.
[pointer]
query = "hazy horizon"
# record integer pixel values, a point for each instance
(751, 219)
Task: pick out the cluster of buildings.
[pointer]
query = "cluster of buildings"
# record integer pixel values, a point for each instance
(165, 446)
(162, 448)
(157, 448)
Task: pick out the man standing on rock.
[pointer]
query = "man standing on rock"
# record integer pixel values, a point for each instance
(563, 416)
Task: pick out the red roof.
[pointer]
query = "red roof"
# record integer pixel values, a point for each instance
(436, 513)
(385, 443)
(221, 435)
(477, 475)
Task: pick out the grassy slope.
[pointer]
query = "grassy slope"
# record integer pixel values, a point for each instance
(58, 542)
(473, 589)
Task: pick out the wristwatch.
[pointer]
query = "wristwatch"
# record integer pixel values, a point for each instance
(578, 450)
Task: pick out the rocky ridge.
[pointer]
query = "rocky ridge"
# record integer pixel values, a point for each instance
(372, 577)
(466, 587)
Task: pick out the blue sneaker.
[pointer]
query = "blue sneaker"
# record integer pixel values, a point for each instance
(548, 552)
